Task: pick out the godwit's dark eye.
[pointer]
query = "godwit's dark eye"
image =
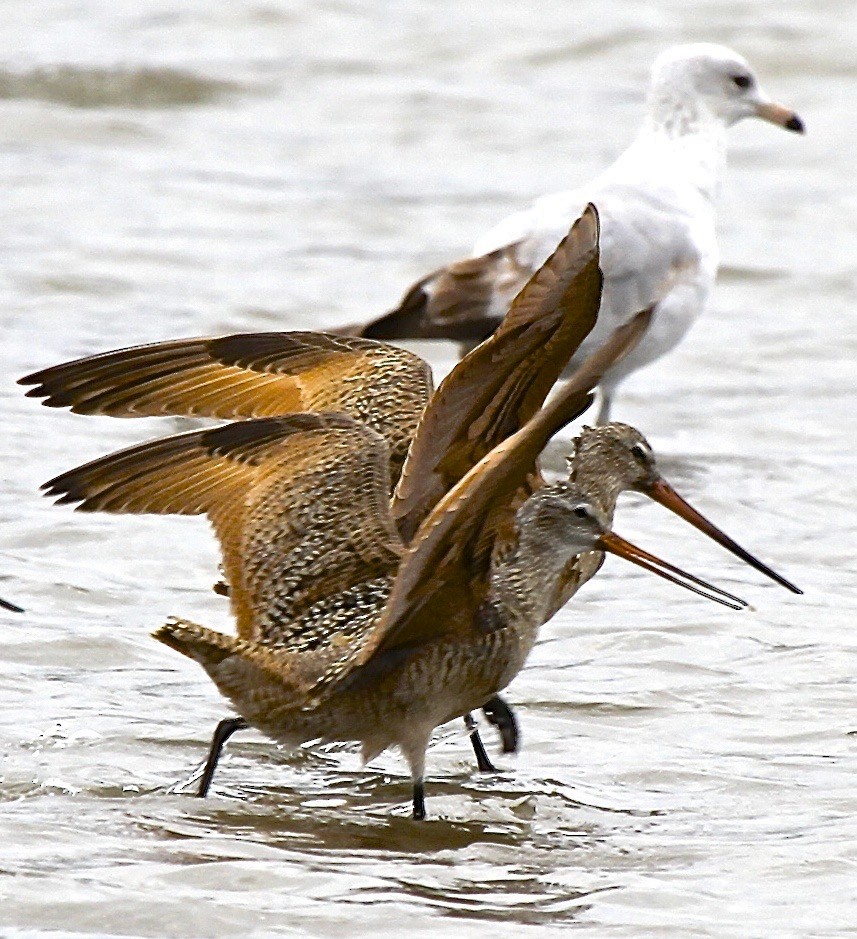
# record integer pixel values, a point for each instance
(742, 81)
(638, 452)
(581, 511)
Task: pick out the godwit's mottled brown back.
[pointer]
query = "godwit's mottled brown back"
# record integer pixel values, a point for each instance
(447, 566)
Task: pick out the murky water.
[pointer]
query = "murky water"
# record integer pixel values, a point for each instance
(173, 169)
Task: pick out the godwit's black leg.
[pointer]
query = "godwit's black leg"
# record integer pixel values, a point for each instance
(485, 765)
(225, 729)
(503, 718)
(419, 800)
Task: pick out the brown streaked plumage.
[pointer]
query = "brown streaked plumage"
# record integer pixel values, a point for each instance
(440, 627)
(249, 375)
(223, 474)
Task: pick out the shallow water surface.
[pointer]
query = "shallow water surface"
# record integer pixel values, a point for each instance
(176, 169)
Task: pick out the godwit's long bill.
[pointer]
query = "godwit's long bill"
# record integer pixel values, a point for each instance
(661, 491)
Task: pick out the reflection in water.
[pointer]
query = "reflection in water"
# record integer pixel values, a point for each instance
(352, 827)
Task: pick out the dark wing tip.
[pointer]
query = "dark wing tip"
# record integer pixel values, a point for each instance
(63, 489)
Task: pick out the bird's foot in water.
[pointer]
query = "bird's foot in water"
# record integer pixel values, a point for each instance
(498, 713)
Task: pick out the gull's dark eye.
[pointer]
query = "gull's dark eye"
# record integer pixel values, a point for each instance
(581, 511)
(742, 81)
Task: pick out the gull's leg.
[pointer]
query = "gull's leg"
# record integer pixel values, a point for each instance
(503, 718)
(606, 403)
(224, 730)
(483, 762)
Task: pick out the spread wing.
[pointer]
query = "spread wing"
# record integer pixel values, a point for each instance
(249, 375)
(446, 569)
(498, 386)
(300, 505)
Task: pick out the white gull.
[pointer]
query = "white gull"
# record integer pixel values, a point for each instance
(656, 204)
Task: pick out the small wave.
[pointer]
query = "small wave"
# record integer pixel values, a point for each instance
(81, 87)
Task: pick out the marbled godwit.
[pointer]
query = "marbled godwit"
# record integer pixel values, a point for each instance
(657, 207)
(355, 636)
(485, 398)
(606, 461)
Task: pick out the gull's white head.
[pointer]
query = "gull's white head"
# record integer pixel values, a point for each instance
(700, 82)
